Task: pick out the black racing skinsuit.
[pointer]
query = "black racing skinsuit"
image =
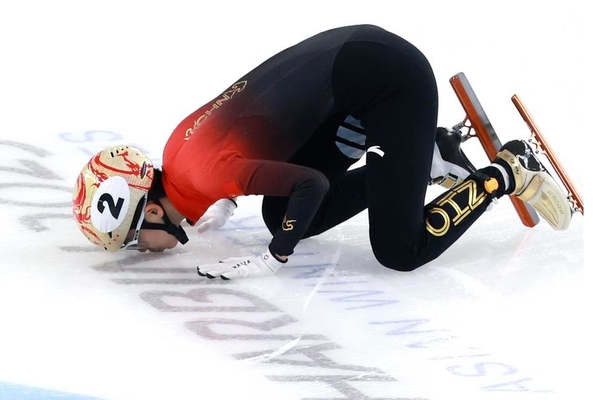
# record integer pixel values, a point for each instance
(317, 107)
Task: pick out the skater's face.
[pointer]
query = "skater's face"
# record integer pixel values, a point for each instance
(154, 240)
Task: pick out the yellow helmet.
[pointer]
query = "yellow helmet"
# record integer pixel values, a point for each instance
(108, 191)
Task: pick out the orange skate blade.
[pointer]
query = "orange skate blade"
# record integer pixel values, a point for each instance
(483, 130)
(539, 141)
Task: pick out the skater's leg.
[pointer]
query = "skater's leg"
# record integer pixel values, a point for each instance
(399, 113)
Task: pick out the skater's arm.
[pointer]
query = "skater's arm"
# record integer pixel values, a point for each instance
(305, 188)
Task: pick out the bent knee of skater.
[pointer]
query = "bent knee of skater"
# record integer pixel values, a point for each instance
(397, 261)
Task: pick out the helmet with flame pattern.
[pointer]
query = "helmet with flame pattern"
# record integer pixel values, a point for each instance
(110, 195)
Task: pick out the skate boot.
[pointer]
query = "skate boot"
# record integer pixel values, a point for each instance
(531, 182)
(450, 165)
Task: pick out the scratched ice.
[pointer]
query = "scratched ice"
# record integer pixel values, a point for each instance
(502, 315)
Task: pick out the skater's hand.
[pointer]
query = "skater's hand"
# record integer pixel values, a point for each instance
(217, 215)
(241, 267)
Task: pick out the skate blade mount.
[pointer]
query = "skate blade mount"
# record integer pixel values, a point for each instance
(541, 146)
(478, 125)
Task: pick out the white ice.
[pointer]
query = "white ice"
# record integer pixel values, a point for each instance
(508, 312)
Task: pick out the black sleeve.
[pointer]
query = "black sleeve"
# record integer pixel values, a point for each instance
(305, 188)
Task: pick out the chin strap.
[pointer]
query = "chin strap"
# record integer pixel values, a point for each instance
(168, 227)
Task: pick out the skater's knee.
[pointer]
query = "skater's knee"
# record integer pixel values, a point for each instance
(397, 259)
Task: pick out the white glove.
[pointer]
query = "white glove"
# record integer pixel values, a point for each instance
(241, 267)
(217, 215)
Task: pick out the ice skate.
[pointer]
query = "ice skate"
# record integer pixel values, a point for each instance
(532, 183)
(477, 124)
(450, 165)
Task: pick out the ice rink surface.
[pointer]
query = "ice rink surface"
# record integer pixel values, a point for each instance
(508, 312)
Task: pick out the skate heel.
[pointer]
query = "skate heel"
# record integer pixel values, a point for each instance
(545, 196)
(533, 184)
